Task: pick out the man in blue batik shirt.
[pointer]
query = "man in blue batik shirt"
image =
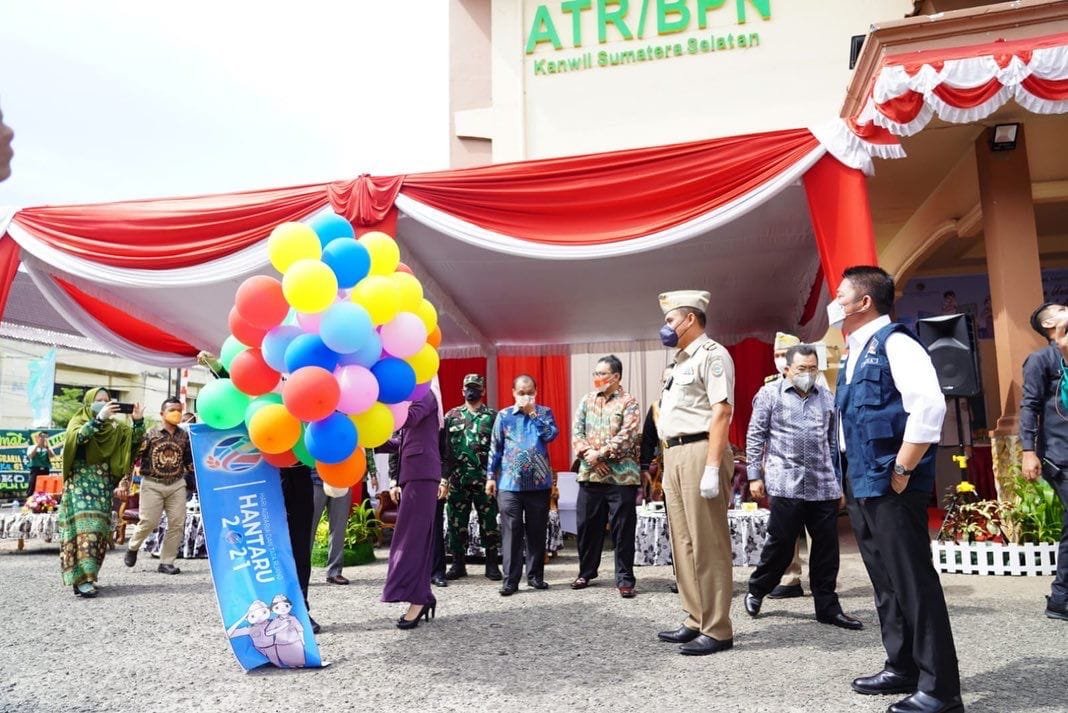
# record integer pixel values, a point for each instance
(518, 473)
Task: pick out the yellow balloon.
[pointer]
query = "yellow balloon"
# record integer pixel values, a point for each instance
(379, 296)
(426, 312)
(385, 255)
(290, 242)
(409, 289)
(425, 362)
(374, 426)
(310, 286)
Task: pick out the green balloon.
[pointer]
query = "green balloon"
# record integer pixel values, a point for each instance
(301, 451)
(230, 349)
(259, 402)
(221, 405)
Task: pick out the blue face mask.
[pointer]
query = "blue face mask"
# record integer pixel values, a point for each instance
(668, 336)
(96, 407)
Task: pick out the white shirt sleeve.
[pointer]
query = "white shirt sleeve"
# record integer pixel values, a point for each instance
(915, 377)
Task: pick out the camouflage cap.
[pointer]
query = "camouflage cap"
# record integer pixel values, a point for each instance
(476, 379)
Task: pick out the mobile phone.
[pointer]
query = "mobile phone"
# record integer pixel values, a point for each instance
(125, 408)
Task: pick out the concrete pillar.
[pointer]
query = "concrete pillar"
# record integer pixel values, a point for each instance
(1012, 262)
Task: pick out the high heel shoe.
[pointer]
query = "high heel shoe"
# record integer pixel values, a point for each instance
(426, 612)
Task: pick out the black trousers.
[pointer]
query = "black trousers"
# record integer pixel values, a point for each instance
(789, 516)
(34, 474)
(599, 504)
(1059, 591)
(524, 516)
(894, 543)
(299, 498)
(437, 567)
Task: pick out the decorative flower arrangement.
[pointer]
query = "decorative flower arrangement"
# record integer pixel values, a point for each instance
(1032, 514)
(40, 502)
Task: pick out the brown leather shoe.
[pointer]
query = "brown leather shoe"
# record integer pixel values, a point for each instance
(337, 579)
(626, 592)
(580, 583)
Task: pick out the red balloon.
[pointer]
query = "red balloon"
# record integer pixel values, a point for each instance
(311, 393)
(251, 374)
(247, 334)
(260, 301)
(280, 460)
(401, 267)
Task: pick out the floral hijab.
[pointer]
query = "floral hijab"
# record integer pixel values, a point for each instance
(111, 443)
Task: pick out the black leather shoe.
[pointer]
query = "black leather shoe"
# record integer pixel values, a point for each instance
(682, 635)
(790, 591)
(704, 645)
(168, 569)
(1055, 610)
(842, 621)
(537, 584)
(920, 702)
(130, 558)
(508, 590)
(457, 570)
(438, 581)
(884, 682)
(674, 587)
(752, 604)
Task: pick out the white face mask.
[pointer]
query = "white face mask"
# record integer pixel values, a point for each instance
(804, 381)
(836, 314)
(780, 364)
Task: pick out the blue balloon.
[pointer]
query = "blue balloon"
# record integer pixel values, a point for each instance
(367, 355)
(275, 343)
(349, 260)
(396, 379)
(309, 350)
(345, 326)
(331, 226)
(331, 440)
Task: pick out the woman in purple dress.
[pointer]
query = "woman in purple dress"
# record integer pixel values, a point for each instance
(411, 552)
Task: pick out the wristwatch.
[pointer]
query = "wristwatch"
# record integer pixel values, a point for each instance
(901, 470)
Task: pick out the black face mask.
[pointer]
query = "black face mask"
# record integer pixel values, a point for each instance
(472, 393)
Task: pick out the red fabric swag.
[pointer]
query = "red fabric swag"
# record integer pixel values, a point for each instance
(753, 362)
(365, 201)
(1053, 89)
(968, 98)
(127, 326)
(552, 374)
(602, 198)
(10, 257)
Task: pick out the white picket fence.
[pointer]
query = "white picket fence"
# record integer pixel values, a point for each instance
(993, 558)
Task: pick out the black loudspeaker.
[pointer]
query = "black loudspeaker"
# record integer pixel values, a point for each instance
(856, 44)
(950, 340)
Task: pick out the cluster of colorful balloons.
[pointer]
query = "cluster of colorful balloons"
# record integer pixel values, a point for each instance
(325, 362)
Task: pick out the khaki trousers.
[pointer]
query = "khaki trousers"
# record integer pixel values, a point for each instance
(700, 539)
(156, 499)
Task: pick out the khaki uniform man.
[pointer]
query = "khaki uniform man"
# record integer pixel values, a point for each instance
(695, 415)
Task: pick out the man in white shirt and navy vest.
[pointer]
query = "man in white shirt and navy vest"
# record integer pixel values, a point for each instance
(891, 410)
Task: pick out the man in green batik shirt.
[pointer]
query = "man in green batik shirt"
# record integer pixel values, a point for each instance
(464, 458)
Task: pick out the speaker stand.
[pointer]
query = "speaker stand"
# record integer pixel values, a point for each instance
(961, 459)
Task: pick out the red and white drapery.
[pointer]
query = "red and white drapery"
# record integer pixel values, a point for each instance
(152, 279)
(958, 85)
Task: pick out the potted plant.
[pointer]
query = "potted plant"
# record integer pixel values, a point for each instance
(361, 533)
(1018, 536)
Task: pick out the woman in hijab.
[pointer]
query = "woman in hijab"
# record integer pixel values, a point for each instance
(416, 489)
(97, 455)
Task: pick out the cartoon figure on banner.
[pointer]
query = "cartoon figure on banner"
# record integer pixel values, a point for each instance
(257, 616)
(288, 633)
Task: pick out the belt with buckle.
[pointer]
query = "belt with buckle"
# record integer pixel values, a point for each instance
(683, 440)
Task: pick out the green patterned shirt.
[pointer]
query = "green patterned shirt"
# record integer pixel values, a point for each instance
(466, 444)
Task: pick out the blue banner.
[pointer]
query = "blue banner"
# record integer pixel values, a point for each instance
(251, 560)
(39, 390)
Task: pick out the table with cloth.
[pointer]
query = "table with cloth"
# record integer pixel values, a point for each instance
(16, 524)
(192, 546)
(652, 539)
(554, 537)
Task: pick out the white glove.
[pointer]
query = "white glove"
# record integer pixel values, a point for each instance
(710, 482)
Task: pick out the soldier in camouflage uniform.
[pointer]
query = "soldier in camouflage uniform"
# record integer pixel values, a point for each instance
(466, 450)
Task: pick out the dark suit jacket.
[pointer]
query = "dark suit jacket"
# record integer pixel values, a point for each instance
(418, 444)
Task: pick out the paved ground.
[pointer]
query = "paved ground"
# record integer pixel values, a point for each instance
(153, 643)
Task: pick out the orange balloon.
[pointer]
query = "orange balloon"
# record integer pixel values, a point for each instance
(273, 429)
(345, 474)
(281, 460)
(434, 338)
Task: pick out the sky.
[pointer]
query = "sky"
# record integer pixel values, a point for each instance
(116, 100)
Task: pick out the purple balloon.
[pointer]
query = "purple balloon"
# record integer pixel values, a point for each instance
(419, 391)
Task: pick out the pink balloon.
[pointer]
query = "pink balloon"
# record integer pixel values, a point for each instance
(400, 412)
(404, 335)
(359, 388)
(310, 322)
